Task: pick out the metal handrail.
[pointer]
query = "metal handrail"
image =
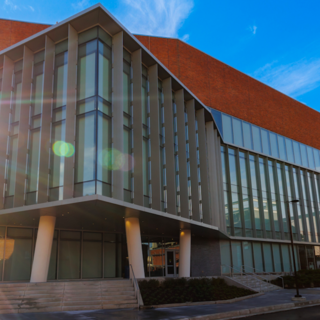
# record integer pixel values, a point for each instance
(136, 287)
(267, 273)
(241, 273)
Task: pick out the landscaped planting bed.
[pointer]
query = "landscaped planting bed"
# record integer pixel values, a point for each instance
(306, 279)
(182, 290)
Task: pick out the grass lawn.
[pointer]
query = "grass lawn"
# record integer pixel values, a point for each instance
(182, 290)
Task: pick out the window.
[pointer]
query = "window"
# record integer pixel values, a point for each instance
(227, 128)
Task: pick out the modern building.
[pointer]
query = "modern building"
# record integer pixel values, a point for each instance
(120, 150)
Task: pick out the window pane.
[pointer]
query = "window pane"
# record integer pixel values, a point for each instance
(85, 148)
(92, 260)
(104, 84)
(17, 103)
(267, 257)
(317, 158)
(236, 255)
(61, 81)
(304, 155)
(12, 165)
(285, 257)
(237, 132)
(256, 139)
(247, 256)
(126, 93)
(57, 155)
(127, 161)
(109, 259)
(282, 148)
(34, 155)
(225, 256)
(38, 95)
(265, 141)
(145, 167)
(297, 156)
(274, 145)
(276, 258)
(69, 259)
(310, 158)
(247, 138)
(104, 149)
(227, 128)
(258, 262)
(87, 74)
(289, 150)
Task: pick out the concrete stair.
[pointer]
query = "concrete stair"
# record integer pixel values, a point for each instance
(67, 296)
(254, 283)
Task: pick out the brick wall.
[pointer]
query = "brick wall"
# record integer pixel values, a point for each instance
(222, 87)
(12, 32)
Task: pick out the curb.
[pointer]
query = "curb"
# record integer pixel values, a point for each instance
(201, 303)
(255, 311)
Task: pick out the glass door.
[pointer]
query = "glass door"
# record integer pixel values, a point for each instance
(171, 263)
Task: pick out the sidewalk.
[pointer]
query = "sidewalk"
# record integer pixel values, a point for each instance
(273, 298)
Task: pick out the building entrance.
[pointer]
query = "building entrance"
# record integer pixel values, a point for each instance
(172, 263)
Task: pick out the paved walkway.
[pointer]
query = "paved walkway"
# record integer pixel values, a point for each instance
(268, 299)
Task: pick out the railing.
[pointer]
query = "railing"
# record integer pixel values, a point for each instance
(239, 271)
(255, 271)
(136, 287)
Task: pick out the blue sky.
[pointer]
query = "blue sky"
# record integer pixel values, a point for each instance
(276, 42)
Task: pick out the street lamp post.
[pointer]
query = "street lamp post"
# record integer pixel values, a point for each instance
(292, 248)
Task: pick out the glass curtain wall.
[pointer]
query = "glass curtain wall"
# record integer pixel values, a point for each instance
(255, 193)
(199, 175)
(243, 134)
(146, 148)
(265, 257)
(163, 176)
(35, 124)
(11, 163)
(188, 160)
(127, 126)
(93, 126)
(58, 133)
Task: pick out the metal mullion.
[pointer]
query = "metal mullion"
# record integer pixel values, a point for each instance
(253, 222)
(260, 198)
(269, 197)
(240, 195)
(278, 197)
(4, 253)
(229, 192)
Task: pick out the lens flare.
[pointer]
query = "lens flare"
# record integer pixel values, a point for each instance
(114, 159)
(63, 149)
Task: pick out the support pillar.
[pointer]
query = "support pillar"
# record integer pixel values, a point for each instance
(134, 247)
(41, 260)
(185, 254)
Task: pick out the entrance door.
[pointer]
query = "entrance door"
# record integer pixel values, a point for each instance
(172, 268)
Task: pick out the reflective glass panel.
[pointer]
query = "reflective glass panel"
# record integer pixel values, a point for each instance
(225, 256)
(310, 158)
(12, 165)
(34, 157)
(247, 138)
(304, 155)
(256, 139)
(104, 82)
(237, 132)
(267, 254)
(227, 128)
(296, 150)
(282, 148)
(276, 257)
(247, 256)
(257, 252)
(285, 258)
(274, 145)
(236, 256)
(289, 148)
(265, 141)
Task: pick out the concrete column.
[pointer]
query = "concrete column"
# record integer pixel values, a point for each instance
(206, 212)
(185, 254)
(134, 246)
(154, 137)
(41, 260)
(137, 126)
(182, 153)
(23, 128)
(190, 105)
(169, 147)
(71, 110)
(117, 110)
(46, 120)
(5, 102)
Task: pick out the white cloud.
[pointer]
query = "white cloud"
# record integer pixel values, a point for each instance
(80, 5)
(31, 8)
(253, 29)
(293, 79)
(156, 17)
(185, 37)
(10, 5)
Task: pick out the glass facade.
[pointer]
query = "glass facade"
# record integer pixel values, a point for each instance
(243, 134)
(75, 254)
(256, 191)
(261, 257)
